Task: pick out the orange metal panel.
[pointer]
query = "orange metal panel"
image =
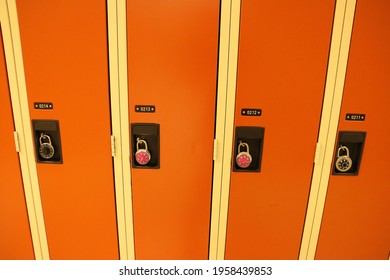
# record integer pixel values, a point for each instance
(356, 222)
(15, 237)
(65, 55)
(173, 48)
(282, 65)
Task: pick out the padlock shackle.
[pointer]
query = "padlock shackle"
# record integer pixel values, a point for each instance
(243, 144)
(345, 148)
(141, 141)
(44, 136)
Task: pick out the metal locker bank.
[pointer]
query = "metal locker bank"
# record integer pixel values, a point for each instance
(194, 130)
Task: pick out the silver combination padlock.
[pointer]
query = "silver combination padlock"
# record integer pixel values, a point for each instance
(243, 159)
(343, 162)
(142, 155)
(46, 149)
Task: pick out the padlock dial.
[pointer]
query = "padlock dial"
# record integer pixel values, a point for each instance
(343, 163)
(243, 159)
(142, 157)
(46, 151)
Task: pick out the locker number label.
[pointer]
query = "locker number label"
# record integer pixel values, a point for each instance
(251, 112)
(145, 108)
(356, 117)
(43, 105)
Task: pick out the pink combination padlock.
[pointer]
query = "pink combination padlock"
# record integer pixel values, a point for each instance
(142, 156)
(243, 159)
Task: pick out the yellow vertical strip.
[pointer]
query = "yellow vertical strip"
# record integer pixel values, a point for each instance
(337, 66)
(116, 124)
(117, 37)
(234, 30)
(15, 68)
(220, 124)
(125, 128)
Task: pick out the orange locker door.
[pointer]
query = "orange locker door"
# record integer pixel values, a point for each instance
(172, 60)
(356, 220)
(15, 237)
(64, 47)
(283, 54)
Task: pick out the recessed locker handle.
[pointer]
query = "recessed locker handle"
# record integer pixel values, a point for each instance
(47, 141)
(349, 152)
(248, 148)
(145, 139)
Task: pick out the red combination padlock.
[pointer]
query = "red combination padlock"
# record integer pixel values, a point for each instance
(142, 156)
(243, 159)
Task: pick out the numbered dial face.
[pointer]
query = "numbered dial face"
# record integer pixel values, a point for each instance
(343, 164)
(46, 151)
(243, 159)
(142, 156)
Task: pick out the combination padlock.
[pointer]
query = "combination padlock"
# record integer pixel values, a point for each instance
(46, 149)
(344, 162)
(142, 156)
(243, 159)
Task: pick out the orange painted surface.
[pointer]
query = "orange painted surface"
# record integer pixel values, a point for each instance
(356, 221)
(283, 55)
(172, 54)
(64, 47)
(15, 237)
